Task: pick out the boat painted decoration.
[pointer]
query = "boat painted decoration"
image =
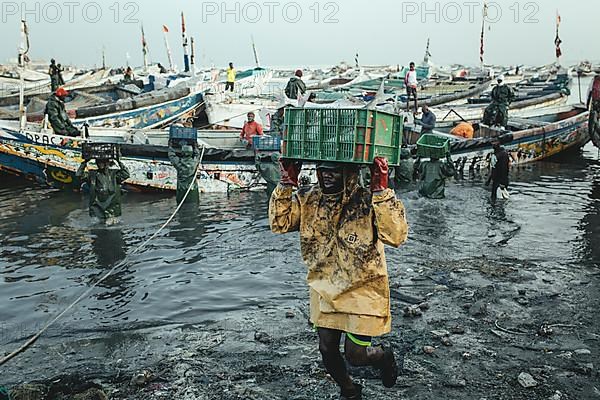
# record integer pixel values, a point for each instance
(146, 117)
(53, 160)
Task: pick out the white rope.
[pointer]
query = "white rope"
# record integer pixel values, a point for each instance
(86, 293)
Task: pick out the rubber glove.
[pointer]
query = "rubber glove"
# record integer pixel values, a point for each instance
(379, 174)
(290, 170)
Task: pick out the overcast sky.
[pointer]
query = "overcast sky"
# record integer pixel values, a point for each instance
(301, 33)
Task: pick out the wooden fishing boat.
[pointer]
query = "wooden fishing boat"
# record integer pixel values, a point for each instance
(526, 139)
(52, 160)
(449, 115)
(115, 106)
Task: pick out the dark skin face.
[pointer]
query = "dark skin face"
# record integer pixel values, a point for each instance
(102, 164)
(332, 181)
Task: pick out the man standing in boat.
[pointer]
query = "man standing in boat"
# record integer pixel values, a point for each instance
(427, 121)
(411, 83)
(57, 114)
(343, 228)
(55, 72)
(251, 128)
(295, 86)
(231, 74)
(105, 188)
(496, 114)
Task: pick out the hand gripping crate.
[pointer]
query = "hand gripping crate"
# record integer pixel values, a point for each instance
(106, 151)
(342, 135)
(432, 146)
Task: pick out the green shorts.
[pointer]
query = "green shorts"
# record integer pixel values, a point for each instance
(359, 340)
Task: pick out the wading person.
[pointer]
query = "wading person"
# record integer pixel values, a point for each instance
(268, 167)
(411, 83)
(231, 74)
(251, 128)
(403, 173)
(186, 162)
(432, 175)
(500, 166)
(105, 188)
(496, 114)
(57, 114)
(343, 228)
(427, 120)
(295, 86)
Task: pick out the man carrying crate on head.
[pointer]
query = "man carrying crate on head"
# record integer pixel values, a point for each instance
(432, 174)
(343, 228)
(104, 185)
(185, 158)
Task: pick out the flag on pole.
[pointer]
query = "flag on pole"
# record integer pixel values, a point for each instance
(557, 40)
(165, 29)
(25, 41)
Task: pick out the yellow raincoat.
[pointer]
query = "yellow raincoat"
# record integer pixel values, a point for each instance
(342, 242)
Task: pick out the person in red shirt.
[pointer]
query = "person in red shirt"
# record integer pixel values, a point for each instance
(251, 128)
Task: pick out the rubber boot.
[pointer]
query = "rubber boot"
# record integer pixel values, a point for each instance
(356, 394)
(389, 368)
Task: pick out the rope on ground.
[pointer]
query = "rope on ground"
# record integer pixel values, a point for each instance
(86, 293)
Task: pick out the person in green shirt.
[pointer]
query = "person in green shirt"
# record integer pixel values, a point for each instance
(432, 175)
(186, 163)
(497, 112)
(270, 170)
(295, 86)
(105, 188)
(403, 173)
(57, 114)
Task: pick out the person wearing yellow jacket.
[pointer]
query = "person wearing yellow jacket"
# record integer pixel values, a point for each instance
(343, 228)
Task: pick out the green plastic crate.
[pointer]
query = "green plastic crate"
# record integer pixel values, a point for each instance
(432, 146)
(343, 135)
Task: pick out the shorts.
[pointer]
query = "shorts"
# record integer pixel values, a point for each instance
(359, 340)
(229, 86)
(411, 91)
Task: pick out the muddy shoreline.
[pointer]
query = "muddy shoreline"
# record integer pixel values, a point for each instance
(483, 323)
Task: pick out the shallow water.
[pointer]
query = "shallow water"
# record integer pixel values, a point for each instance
(221, 258)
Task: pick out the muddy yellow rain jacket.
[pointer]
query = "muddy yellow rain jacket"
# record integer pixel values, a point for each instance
(342, 242)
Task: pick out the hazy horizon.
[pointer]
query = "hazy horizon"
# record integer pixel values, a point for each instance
(302, 33)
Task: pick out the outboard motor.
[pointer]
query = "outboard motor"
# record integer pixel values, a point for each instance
(594, 108)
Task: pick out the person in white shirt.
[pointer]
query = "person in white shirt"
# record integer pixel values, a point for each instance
(410, 80)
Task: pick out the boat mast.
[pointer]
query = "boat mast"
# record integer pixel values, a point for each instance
(145, 50)
(193, 55)
(256, 60)
(427, 54)
(169, 55)
(23, 50)
(186, 56)
(482, 48)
